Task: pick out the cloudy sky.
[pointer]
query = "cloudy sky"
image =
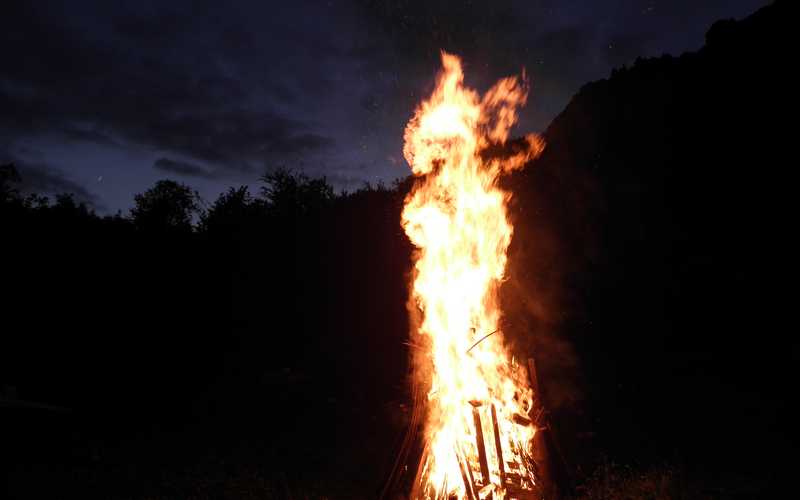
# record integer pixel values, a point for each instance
(103, 98)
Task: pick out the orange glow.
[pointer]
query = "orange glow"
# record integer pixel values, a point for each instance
(456, 217)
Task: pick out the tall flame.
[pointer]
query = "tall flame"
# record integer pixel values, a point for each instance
(456, 217)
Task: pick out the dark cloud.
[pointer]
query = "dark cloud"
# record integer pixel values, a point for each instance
(156, 28)
(40, 178)
(308, 84)
(299, 144)
(182, 168)
(78, 134)
(136, 86)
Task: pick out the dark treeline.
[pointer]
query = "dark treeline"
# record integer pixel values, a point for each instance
(269, 269)
(255, 346)
(272, 322)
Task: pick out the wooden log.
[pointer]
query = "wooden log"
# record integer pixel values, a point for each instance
(442, 495)
(534, 381)
(541, 453)
(476, 416)
(469, 472)
(467, 481)
(499, 447)
(520, 420)
(487, 492)
(417, 486)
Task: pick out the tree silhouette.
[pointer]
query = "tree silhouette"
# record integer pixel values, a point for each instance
(66, 206)
(291, 193)
(232, 211)
(167, 206)
(8, 177)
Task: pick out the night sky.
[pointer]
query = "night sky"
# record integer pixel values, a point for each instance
(103, 98)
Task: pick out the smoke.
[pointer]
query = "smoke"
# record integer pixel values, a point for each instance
(553, 210)
(535, 306)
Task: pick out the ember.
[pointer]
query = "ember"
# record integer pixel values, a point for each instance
(479, 416)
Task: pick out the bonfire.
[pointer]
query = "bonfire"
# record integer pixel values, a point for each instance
(479, 411)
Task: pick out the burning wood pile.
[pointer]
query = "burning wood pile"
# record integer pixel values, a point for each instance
(514, 482)
(478, 410)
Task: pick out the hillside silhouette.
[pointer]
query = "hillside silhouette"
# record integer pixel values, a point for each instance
(256, 346)
(652, 235)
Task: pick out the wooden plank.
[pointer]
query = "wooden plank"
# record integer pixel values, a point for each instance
(487, 492)
(467, 481)
(417, 486)
(476, 416)
(469, 471)
(541, 452)
(534, 380)
(499, 447)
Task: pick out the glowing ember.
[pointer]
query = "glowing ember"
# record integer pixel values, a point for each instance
(456, 217)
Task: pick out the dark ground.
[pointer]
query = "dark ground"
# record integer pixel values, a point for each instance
(260, 354)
